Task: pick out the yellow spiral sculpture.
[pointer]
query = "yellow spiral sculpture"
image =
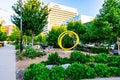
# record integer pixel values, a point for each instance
(61, 37)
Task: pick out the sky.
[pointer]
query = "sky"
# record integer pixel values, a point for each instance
(84, 7)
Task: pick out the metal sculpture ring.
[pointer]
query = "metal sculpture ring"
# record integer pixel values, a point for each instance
(61, 37)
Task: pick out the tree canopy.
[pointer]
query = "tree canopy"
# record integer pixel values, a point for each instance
(98, 31)
(15, 35)
(77, 27)
(52, 36)
(111, 12)
(34, 16)
(3, 33)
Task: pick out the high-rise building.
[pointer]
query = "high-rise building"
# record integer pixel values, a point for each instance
(58, 14)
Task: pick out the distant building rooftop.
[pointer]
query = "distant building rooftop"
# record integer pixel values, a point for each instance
(85, 18)
(82, 18)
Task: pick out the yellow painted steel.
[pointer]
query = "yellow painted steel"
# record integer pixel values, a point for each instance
(61, 37)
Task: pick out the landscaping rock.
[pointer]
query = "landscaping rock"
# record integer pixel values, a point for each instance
(49, 66)
(65, 66)
(20, 74)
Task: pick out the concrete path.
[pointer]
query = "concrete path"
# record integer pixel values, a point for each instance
(111, 78)
(7, 63)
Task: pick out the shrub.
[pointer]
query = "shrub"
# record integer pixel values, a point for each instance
(114, 59)
(102, 70)
(41, 38)
(17, 46)
(77, 56)
(57, 73)
(68, 41)
(54, 58)
(98, 50)
(65, 60)
(88, 55)
(89, 72)
(114, 71)
(91, 64)
(53, 35)
(37, 72)
(101, 58)
(114, 64)
(92, 49)
(20, 56)
(80, 47)
(75, 71)
(41, 53)
(92, 59)
(32, 53)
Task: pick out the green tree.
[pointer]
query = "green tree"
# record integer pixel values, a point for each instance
(26, 39)
(41, 38)
(111, 12)
(3, 34)
(68, 40)
(34, 16)
(15, 35)
(97, 32)
(52, 36)
(97, 29)
(77, 27)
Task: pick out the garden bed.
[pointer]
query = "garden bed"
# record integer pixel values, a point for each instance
(27, 61)
(81, 67)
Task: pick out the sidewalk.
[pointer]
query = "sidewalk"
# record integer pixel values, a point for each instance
(111, 78)
(7, 63)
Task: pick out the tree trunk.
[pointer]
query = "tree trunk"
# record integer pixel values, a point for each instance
(32, 37)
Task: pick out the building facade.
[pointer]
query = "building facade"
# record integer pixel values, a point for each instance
(58, 14)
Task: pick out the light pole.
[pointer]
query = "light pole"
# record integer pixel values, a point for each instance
(21, 48)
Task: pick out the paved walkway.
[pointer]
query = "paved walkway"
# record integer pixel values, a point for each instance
(7, 63)
(111, 78)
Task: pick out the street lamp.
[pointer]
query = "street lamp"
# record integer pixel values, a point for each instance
(21, 48)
